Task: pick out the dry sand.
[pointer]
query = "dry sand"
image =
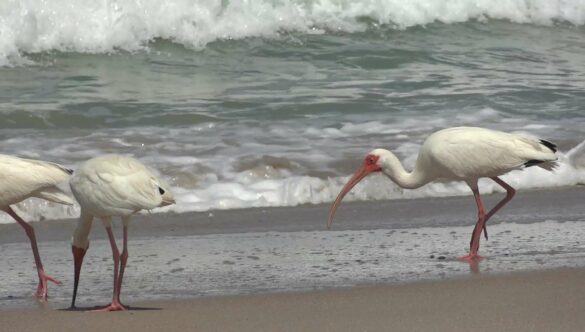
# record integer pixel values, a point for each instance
(529, 301)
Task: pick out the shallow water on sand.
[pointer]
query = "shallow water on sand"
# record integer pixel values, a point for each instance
(192, 266)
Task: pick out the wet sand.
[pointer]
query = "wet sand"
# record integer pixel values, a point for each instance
(528, 206)
(536, 301)
(252, 259)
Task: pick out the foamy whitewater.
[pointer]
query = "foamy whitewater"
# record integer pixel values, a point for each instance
(242, 104)
(89, 26)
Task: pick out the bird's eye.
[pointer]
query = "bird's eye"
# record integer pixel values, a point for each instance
(161, 190)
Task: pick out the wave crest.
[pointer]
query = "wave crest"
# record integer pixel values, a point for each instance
(88, 26)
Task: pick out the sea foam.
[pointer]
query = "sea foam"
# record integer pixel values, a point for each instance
(267, 185)
(87, 26)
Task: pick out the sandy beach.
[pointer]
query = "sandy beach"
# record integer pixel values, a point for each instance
(386, 265)
(253, 116)
(537, 301)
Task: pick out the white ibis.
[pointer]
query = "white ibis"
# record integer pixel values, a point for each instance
(108, 186)
(24, 178)
(461, 154)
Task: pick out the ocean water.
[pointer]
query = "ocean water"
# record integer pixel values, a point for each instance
(275, 102)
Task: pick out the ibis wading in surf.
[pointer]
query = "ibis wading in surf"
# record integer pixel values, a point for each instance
(461, 154)
(105, 187)
(23, 178)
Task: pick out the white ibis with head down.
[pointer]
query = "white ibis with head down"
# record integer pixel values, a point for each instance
(108, 186)
(24, 178)
(461, 154)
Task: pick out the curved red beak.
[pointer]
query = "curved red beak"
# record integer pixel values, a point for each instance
(78, 254)
(361, 173)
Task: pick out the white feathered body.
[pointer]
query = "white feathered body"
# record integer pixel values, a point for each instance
(469, 153)
(23, 178)
(114, 185)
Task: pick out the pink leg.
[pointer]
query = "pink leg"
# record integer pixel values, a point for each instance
(123, 260)
(483, 218)
(42, 289)
(476, 235)
(510, 192)
(115, 305)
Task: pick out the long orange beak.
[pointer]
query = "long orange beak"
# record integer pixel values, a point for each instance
(361, 173)
(78, 254)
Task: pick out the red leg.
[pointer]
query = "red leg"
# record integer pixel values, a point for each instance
(115, 305)
(510, 192)
(42, 289)
(476, 235)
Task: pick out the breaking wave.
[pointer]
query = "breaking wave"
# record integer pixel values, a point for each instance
(87, 26)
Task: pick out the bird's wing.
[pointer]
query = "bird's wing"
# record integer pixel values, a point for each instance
(533, 148)
(25, 177)
(121, 184)
(489, 154)
(135, 191)
(56, 168)
(537, 152)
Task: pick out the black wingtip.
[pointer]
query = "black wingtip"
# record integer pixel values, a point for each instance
(69, 170)
(532, 162)
(551, 146)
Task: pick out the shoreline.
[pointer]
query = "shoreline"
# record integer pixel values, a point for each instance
(528, 206)
(277, 250)
(523, 301)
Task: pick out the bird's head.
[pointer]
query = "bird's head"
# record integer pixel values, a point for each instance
(372, 163)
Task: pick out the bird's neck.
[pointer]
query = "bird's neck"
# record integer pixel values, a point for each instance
(393, 168)
(81, 233)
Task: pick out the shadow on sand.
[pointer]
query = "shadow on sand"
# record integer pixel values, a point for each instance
(101, 307)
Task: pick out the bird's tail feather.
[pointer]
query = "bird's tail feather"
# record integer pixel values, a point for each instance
(56, 195)
(549, 165)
